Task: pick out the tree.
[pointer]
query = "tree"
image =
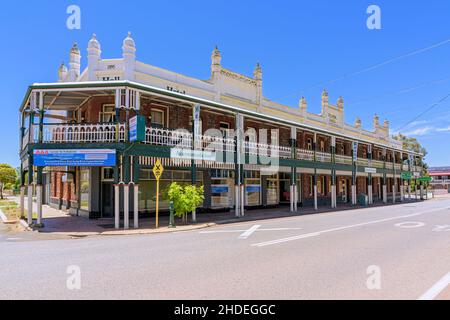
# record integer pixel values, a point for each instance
(412, 144)
(8, 175)
(186, 199)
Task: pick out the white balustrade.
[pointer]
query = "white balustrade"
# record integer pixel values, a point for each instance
(81, 133)
(303, 154)
(344, 159)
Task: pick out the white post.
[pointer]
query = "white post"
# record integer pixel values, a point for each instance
(421, 191)
(415, 192)
(333, 197)
(236, 200)
(242, 201)
(30, 204)
(370, 195)
(117, 206)
(409, 191)
(402, 193)
(385, 194)
(354, 197)
(291, 199)
(136, 206)
(295, 198)
(394, 187)
(316, 207)
(126, 204)
(39, 204)
(22, 201)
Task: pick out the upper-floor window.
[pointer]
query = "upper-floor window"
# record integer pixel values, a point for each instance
(224, 127)
(322, 146)
(108, 114)
(309, 144)
(342, 150)
(157, 118)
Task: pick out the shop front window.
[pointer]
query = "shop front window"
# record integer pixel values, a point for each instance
(147, 187)
(253, 188)
(84, 189)
(222, 189)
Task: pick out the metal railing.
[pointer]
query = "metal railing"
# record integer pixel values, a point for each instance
(80, 133)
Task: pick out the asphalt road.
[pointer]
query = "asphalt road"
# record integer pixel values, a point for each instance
(397, 252)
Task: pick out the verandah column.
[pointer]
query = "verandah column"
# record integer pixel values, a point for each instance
(196, 145)
(39, 185)
(22, 192)
(117, 184)
(135, 181)
(293, 198)
(126, 192)
(354, 170)
(394, 184)
(316, 207)
(237, 164)
(370, 184)
(384, 177)
(333, 173)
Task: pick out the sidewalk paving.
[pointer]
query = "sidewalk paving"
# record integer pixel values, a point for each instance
(59, 222)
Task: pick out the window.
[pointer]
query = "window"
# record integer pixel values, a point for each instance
(309, 144)
(322, 146)
(342, 150)
(84, 189)
(107, 174)
(224, 127)
(108, 114)
(157, 118)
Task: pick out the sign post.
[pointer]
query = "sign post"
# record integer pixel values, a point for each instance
(158, 170)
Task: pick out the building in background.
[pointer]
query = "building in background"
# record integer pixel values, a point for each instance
(97, 133)
(441, 179)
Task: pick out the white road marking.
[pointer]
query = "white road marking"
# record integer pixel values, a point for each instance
(410, 225)
(13, 239)
(315, 234)
(434, 292)
(241, 231)
(249, 232)
(442, 228)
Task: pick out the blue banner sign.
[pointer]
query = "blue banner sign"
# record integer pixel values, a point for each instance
(137, 129)
(74, 158)
(220, 189)
(253, 189)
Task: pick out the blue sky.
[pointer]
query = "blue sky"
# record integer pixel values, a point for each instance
(300, 44)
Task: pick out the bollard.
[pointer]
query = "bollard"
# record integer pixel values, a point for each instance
(172, 215)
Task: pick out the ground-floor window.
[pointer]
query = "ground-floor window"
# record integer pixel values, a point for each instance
(147, 186)
(252, 188)
(272, 190)
(84, 188)
(222, 189)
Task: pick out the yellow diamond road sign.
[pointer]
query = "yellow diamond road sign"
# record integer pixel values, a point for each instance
(158, 170)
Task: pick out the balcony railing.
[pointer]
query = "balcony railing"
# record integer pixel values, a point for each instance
(111, 133)
(80, 133)
(344, 159)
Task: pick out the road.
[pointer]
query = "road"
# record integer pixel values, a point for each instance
(396, 252)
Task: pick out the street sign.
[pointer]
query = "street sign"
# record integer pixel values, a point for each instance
(137, 129)
(74, 158)
(355, 151)
(425, 179)
(370, 170)
(158, 171)
(406, 175)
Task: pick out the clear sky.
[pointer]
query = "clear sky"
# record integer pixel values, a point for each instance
(302, 45)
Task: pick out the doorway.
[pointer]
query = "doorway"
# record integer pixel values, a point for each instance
(107, 203)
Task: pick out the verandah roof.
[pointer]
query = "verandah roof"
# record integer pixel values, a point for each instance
(70, 95)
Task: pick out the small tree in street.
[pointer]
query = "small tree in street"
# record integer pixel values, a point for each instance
(8, 175)
(186, 199)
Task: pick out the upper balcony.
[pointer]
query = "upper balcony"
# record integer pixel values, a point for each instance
(116, 133)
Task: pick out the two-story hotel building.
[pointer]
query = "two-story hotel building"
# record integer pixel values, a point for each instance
(78, 152)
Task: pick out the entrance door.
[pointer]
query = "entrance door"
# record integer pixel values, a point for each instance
(344, 190)
(107, 200)
(285, 191)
